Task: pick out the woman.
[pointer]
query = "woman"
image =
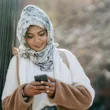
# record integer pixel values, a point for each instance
(68, 87)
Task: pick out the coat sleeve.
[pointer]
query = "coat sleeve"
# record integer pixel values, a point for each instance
(16, 102)
(12, 94)
(78, 75)
(71, 97)
(80, 94)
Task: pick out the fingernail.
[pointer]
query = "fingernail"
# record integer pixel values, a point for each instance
(47, 91)
(47, 86)
(42, 82)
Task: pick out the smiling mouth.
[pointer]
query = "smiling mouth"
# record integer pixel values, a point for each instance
(39, 45)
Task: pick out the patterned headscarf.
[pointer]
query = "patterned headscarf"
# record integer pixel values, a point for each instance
(32, 15)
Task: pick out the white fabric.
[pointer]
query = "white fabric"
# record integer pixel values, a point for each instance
(74, 74)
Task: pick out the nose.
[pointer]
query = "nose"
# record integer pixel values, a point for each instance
(37, 39)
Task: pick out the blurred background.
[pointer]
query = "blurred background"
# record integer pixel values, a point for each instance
(81, 26)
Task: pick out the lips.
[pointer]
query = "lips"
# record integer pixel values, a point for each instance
(38, 45)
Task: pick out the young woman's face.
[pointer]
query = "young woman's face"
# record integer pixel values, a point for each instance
(36, 38)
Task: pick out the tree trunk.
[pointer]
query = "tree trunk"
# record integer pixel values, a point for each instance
(8, 20)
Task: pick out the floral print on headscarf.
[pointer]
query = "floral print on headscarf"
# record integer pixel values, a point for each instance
(32, 15)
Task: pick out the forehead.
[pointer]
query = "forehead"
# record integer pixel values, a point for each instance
(34, 28)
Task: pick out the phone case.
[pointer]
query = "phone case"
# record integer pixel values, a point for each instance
(40, 78)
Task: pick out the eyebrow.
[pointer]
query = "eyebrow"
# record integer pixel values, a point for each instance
(42, 30)
(38, 32)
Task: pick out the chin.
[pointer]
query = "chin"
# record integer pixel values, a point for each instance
(39, 49)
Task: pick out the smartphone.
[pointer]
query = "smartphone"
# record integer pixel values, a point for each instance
(40, 78)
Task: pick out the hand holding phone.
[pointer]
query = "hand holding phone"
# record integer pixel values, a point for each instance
(49, 82)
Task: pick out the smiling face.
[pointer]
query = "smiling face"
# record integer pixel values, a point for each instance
(36, 38)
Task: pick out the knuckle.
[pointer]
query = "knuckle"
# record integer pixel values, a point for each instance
(37, 83)
(41, 87)
(37, 87)
(46, 83)
(52, 89)
(32, 83)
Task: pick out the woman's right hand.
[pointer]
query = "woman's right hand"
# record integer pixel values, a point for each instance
(34, 88)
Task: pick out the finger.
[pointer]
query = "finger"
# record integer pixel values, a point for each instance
(34, 83)
(46, 83)
(42, 87)
(32, 87)
(50, 93)
(39, 91)
(51, 89)
(29, 86)
(51, 79)
(50, 84)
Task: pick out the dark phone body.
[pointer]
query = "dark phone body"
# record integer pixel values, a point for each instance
(40, 78)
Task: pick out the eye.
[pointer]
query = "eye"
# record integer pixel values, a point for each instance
(42, 34)
(29, 36)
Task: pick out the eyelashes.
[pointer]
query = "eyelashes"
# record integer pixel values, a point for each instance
(28, 36)
(40, 34)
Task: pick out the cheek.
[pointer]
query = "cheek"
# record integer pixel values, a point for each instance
(29, 42)
(45, 39)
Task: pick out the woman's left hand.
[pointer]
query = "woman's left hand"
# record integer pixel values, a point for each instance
(51, 86)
